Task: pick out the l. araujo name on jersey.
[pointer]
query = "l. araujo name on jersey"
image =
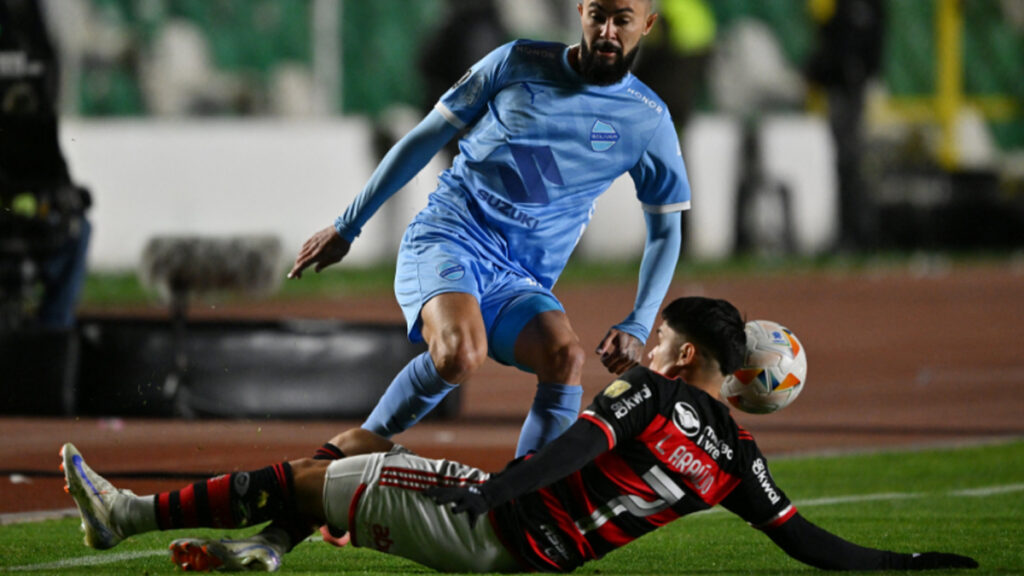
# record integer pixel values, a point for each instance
(542, 145)
(684, 445)
(698, 467)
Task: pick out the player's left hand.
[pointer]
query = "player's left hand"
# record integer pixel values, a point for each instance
(466, 499)
(620, 351)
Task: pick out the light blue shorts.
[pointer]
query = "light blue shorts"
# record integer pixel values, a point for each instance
(434, 261)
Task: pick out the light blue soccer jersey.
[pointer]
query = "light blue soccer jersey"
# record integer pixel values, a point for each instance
(542, 146)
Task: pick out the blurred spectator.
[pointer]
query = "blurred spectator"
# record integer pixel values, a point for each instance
(102, 45)
(469, 31)
(45, 233)
(848, 55)
(764, 204)
(674, 59)
(179, 77)
(540, 19)
(748, 77)
(749, 74)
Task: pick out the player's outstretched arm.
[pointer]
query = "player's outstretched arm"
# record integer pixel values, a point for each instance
(405, 159)
(817, 547)
(400, 165)
(623, 346)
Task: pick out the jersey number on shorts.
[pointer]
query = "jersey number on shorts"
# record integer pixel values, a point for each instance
(534, 165)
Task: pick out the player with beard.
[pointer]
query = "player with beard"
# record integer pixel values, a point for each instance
(549, 127)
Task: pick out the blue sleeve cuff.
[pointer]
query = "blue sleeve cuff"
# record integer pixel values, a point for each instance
(348, 234)
(636, 329)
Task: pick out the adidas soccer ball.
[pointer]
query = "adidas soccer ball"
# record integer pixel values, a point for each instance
(773, 372)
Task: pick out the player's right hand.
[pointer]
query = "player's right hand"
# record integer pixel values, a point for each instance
(620, 351)
(324, 248)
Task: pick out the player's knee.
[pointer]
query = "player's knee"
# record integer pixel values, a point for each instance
(349, 441)
(563, 363)
(457, 361)
(359, 441)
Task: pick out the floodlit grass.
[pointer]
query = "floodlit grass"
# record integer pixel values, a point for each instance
(966, 500)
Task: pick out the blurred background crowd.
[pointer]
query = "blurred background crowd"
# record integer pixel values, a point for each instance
(922, 64)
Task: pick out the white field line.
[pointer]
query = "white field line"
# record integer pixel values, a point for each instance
(880, 497)
(991, 490)
(86, 561)
(914, 447)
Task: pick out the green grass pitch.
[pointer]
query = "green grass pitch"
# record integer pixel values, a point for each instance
(968, 500)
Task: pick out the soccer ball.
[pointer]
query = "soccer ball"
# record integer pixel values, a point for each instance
(773, 372)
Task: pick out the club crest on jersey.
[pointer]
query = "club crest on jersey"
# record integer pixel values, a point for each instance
(603, 136)
(616, 389)
(685, 418)
(451, 270)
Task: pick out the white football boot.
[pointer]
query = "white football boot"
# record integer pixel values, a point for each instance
(253, 554)
(95, 498)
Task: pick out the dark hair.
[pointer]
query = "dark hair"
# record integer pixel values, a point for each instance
(714, 325)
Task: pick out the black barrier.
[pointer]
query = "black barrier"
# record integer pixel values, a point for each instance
(234, 369)
(931, 209)
(38, 371)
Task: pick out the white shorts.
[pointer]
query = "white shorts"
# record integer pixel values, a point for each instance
(378, 499)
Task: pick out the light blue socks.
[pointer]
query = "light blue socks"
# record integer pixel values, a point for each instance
(416, 390)
(555, 408)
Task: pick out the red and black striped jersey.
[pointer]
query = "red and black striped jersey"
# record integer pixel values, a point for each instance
(672, 450)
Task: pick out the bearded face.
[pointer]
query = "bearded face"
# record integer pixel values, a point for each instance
(604, 63)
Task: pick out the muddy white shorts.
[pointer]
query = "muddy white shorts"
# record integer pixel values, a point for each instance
(379, 499)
